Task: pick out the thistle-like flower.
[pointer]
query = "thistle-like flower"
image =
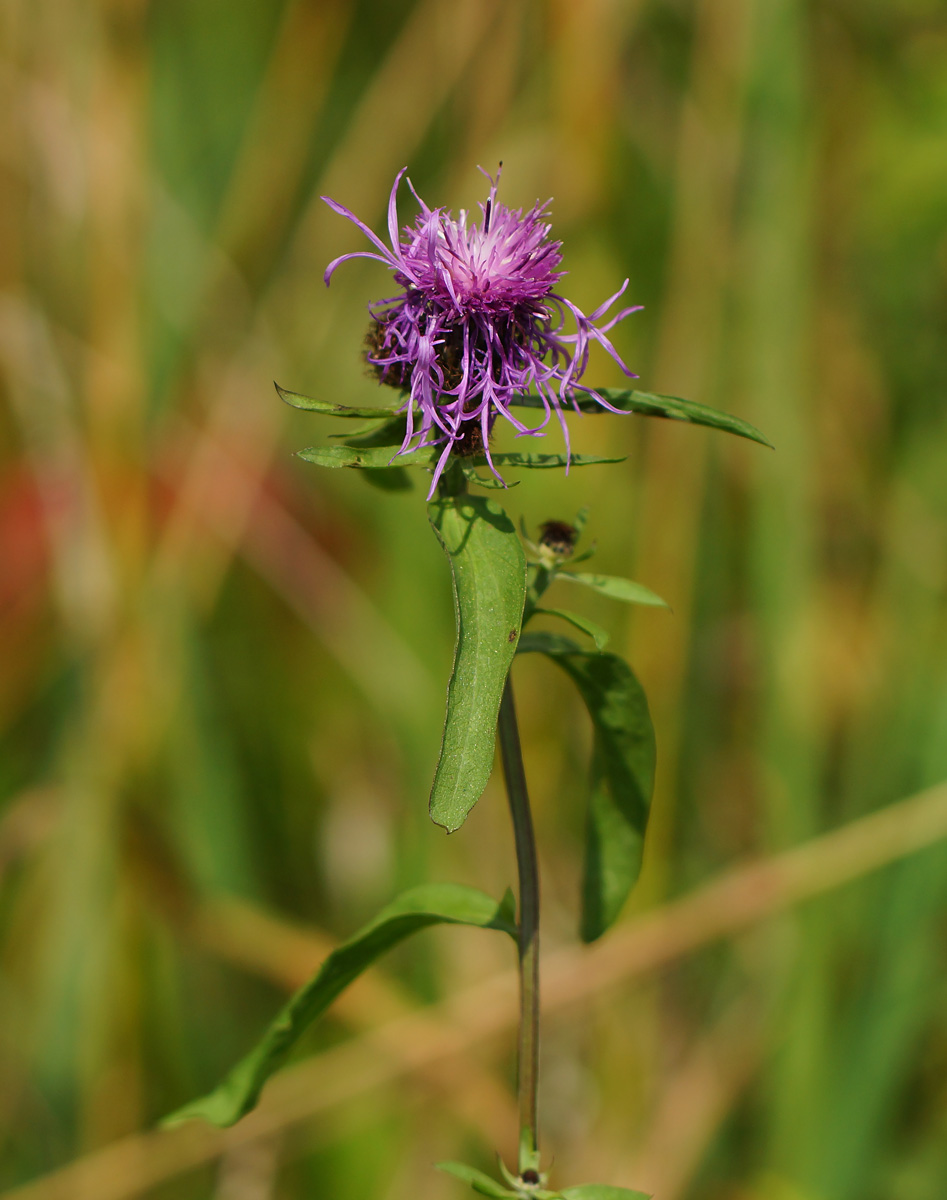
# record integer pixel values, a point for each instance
(477, 322)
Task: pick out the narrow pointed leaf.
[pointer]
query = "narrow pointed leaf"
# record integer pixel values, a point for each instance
(488, 569)
(369, 458)
(472, 475)
(329, 409)
(673, 408)
(545, 462)
(476, 1179)
(615, 587)
(623, 757)
(598, 635)
(368, 455)
(430, 904)
(600, 1191)
(649, 404)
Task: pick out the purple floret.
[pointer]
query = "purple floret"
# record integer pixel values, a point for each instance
(477, 322)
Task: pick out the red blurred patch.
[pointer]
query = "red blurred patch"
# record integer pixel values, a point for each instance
(24, 553)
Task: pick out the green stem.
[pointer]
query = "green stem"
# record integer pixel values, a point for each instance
(541, 580)
(528, 867)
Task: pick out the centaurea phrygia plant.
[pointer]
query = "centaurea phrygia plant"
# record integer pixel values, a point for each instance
(478, 322)
(478, 329)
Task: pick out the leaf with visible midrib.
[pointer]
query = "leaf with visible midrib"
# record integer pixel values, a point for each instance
(623, 757)
(430, 904)
(649, 404)
(488, 569)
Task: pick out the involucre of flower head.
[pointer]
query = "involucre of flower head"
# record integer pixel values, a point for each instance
(478, 321)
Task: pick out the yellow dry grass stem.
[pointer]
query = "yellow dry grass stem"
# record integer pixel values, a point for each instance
(429, 1043)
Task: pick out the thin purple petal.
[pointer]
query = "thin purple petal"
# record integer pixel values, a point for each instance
(479, 321)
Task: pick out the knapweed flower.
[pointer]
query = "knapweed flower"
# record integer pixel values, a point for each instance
(477, 322)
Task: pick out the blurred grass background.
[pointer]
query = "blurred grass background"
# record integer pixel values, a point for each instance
(223, 671)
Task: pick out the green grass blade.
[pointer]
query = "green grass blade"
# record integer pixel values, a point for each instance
(430, 904)
(488, 569)
(623, 757)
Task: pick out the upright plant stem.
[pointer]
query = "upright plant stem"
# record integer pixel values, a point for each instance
(528, 867)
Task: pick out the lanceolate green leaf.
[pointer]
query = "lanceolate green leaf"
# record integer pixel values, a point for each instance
(367, 455)
(486, 480)
(622, 774)
(476, 1179)
(328, 408)
(615, 587)
(673, 408)
(369, 458)
(431, 904)
(545, 462)
(600, 1191)
(649, 404)
(598, 635)
(489, 576)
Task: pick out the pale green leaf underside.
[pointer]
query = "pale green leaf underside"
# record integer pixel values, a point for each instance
(430, 904)
(374, 458)
(598, 635)
(623, 758)
(649, 404)
(615, 587)
(476, 1179)
(488, 569)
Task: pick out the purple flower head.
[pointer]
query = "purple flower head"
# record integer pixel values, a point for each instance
(477, 322)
